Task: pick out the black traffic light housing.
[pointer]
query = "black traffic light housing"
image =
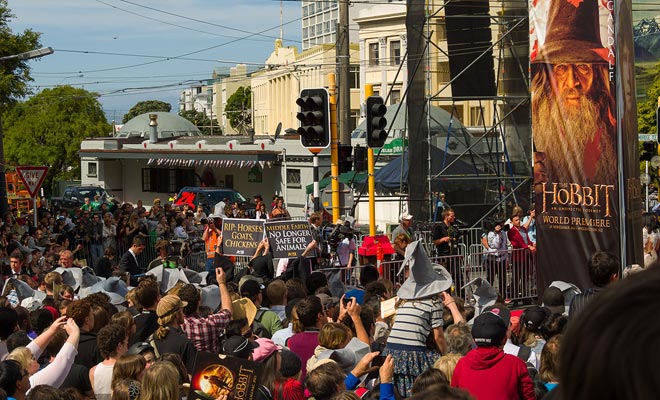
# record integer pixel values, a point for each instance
(345, 158)
(376, 122)
(360, 159)
(314, 117)
(649, 149)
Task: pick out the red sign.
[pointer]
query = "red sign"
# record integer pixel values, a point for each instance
(32, 177)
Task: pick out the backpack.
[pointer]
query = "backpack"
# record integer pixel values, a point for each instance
(258, 328)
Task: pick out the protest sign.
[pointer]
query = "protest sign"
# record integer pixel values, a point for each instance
(288, 239)
(240, 237)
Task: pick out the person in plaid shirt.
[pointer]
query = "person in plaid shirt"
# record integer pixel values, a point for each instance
(203, 331)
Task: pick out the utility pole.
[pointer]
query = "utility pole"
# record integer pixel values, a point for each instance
(343, 64)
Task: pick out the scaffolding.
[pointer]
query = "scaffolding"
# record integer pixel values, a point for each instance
(505, 170)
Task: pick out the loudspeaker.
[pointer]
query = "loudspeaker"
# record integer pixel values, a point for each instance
(469, 35)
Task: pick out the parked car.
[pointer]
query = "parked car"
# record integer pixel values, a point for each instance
(208, 197)
(74, 197)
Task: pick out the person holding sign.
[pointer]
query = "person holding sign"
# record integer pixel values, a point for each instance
(211, 237)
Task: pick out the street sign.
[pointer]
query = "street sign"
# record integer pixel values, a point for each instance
(647, 137)
(32, 177)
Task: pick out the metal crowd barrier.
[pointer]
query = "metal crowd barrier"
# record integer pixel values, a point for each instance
(512, 273)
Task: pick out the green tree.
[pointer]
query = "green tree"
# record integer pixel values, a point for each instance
(646, 109)
(239, 109)
(145, 107)
(48, 128)
(202, 122)
(14, 74)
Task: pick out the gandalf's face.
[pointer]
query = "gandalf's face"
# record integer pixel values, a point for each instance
(573, 81)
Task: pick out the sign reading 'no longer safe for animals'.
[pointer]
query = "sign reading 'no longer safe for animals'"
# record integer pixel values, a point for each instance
(288, 239)
(240, 237)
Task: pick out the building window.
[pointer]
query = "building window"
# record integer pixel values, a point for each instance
(326, 27)
(443, 72)
(293, 177)
(92, 169)
(476, 116)
(162, 180)
(395, 52)
(395, 97)
(373, 54)
(442, 30)
(312, 30)
(354, 76)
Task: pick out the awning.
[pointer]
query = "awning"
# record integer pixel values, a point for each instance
(167, 162)
(345, 178)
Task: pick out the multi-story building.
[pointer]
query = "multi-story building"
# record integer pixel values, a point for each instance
(276, 89)
(223, 87)
(320, 19)
(198, 97)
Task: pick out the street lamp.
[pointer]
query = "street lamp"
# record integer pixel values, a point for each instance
(28, 55)
(44, 51)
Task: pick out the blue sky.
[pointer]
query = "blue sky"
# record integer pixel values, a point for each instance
(233, 31)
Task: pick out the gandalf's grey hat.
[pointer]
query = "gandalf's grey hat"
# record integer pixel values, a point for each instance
(426, 279)
(484, 295)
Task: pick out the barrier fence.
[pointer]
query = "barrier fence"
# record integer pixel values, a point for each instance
(511, 272)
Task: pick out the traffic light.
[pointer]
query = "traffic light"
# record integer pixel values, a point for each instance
(360, 159)
(314, 117)
(649, 149)
(345, 158)
(376, 122)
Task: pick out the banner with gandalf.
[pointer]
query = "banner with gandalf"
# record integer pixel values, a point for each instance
(576, 136)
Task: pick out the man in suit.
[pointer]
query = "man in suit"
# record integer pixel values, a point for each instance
(129, 262)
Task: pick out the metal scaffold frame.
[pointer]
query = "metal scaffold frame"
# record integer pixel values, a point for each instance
(511, 177)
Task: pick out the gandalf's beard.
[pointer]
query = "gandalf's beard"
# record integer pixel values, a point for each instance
(563, 132)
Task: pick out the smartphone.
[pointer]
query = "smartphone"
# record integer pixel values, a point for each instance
(378, 361)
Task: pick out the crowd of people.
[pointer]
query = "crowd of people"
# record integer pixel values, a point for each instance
(136, 338)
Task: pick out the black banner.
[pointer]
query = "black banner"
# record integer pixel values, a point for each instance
(240, 237)
(575, 131)
(217, 375)
(288, 239)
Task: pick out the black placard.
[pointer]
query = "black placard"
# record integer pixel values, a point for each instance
(240, 237)
(288, 239)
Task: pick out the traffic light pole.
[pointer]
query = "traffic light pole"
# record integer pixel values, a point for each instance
(369, 91)
(317, 194)
(334, 148)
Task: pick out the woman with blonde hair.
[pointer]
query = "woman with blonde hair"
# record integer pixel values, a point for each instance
(160, 382)
(129, 366)
(446, 364)
(169, 337)
(55, 372)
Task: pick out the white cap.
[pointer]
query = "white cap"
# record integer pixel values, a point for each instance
(405, 216)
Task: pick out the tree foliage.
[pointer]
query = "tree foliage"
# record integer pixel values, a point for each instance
(239, 109)
(145, 107)
(202, 122)
(646, 110)
(48, 129)
(14, 74)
